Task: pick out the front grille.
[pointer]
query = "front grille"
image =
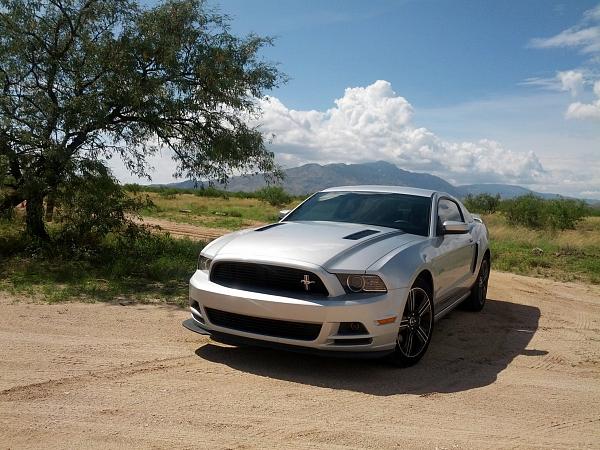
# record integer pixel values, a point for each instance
(267, 327)
(261, 277)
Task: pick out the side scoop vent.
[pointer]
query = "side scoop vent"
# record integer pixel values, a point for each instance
(360, 234)
(266, 227)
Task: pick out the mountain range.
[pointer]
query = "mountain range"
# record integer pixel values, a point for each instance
(314, 177)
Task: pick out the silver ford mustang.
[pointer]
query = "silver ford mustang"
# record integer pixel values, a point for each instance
(352, 271)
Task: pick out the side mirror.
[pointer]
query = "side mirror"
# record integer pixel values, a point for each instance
(451, 227)
(283, 213)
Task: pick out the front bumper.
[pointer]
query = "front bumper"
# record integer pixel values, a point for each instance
(232, 339)
(328, 312)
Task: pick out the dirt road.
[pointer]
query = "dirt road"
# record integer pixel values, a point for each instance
(184, 230)
(523, 373)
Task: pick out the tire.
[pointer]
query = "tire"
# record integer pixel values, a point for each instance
(416, 326)
(476, 301)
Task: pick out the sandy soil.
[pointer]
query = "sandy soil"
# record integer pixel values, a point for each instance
(523, 373)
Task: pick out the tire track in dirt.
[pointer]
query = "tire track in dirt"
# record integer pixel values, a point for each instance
(184, 230)
(47, 388)
(567, 424)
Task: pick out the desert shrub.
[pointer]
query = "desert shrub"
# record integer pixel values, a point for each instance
(274, 195)
(134, 188)
(211, 191)
(594, 210)
(93, 206)
(482, 203)
(535, 212)
(565, 213)
(169, 193)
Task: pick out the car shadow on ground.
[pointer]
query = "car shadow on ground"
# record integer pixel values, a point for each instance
(468, 350)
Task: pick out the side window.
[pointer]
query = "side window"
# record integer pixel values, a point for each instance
(448, 210)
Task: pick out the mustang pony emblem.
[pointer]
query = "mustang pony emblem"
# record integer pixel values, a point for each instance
(306, 282)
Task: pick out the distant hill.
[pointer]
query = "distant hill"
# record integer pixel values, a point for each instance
(314, 177)
(310, 178)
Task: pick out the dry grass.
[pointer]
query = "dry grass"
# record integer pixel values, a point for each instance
(568, 255)
(216, 212)
(585, 235)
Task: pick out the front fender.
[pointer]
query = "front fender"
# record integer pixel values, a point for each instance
(400, 267)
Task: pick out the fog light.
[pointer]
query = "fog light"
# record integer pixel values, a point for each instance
(347, 328)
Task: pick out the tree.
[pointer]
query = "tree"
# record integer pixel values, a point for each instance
(482, 203)
(83, 81)
(535, 212)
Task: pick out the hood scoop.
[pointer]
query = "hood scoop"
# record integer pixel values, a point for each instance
(360, 234)
(266, 227)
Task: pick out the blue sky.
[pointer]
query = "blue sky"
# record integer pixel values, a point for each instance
(472, 91)
(434, 52)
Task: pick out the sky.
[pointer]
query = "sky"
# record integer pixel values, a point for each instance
(472, 91)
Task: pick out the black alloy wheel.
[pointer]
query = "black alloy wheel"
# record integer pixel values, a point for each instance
(416, 326)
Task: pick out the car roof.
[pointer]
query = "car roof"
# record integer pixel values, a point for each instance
(385, 189)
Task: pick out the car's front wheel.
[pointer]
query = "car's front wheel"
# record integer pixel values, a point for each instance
(416, 326)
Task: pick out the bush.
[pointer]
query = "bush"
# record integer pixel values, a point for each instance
(482, 203)
(564, 214)
(135, 264)
(134, 188)
(274, 195)
(211, 191)
(168, 193)
(535, 212)
(93, 206)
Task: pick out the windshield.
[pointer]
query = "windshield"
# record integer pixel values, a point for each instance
(409, 213)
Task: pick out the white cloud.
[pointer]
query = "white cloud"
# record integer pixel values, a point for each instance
(374, 123)
(587, 39)
(571, 81)
(549, 84)
(580, 110)
(585, 35)
(592, 14)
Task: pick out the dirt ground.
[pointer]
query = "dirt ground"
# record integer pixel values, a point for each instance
(523, 373)
(184, 230)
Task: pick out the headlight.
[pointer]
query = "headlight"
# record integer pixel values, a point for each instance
(204, 263)
(354, 283)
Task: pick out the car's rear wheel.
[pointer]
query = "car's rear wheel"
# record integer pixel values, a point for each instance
(476, 301)
(416, 326)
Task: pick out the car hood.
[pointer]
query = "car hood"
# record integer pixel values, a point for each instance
(332, 245)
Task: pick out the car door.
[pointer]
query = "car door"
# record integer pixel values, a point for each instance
(454, 255)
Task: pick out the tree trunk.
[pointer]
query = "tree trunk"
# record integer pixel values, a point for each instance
(50, 203)
(35, 217)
